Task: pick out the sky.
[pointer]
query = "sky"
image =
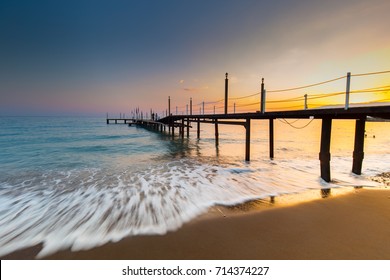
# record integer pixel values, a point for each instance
(92, 57)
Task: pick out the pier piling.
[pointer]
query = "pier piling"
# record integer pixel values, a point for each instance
(182, 128)
(198, 129)
(325, 148)
(188, 127)
(248, 139)
(216, 133)
(271, 138)
(358, 151)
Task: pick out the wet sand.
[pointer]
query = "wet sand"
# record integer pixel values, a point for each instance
(355, 225)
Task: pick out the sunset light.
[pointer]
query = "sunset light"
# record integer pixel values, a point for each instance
(194, 139)
(83, 59)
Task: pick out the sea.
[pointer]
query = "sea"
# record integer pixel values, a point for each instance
(77, 183)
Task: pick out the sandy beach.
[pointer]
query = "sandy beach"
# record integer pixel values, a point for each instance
(355, 225)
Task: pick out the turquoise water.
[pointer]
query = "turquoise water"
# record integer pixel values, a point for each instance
(68, 143)
(78, 183)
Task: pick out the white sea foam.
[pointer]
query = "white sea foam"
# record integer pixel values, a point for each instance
(85, 208)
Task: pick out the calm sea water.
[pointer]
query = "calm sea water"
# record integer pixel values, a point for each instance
(78, 183)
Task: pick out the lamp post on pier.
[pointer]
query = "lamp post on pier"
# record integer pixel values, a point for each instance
(226, 93)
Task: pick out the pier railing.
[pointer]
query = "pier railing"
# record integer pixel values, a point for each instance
(297, 98)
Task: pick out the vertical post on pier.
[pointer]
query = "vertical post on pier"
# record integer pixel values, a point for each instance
(358, 151)
(191, 106)
(271, 138)
(305, 107)
(262, 97)
(248, 140)
(169, 105)
(325, 148)
(198, 129)
(347, 91)
(216, 133)
(203, 107)
(173, 129)
(226, 93)
(182, 128)
(263, 104)
(188, 127)
(108, 122)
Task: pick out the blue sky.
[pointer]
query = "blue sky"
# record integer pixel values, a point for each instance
(92, 57)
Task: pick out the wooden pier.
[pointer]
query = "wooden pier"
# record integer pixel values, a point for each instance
(326, 115)
(359, 114)
(119, 120)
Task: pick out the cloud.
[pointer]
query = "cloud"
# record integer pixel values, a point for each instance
(181, 81)
(191, 89)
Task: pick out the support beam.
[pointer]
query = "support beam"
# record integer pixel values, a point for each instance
(216, 133)
(224, 122)
(325, 148)
(358, 151)
(182, 128)
(248, 139)
(271, 138)
(198, 129)
(188, 127)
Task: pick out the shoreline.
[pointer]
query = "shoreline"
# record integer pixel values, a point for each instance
(348, 224)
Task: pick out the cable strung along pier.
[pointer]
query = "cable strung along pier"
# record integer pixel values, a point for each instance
(359, 113)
